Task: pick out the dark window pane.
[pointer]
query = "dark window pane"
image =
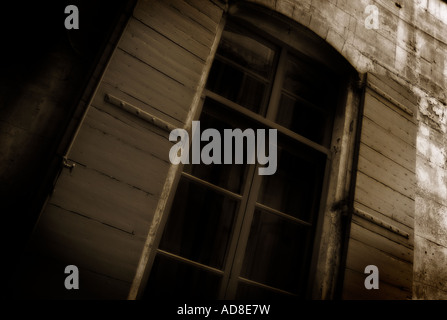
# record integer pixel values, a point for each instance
(199, 224)
(237, 86)
(243, 69)
(295, 188)
(306, 80)
(276, 252)
(253, 94)
(225, 80)
(173, 279)
(303, 119)
(227, 176)
(243, 49)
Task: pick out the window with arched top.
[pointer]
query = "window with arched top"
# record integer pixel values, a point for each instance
(232, 233)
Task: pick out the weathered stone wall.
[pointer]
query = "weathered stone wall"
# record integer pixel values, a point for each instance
(410, 46)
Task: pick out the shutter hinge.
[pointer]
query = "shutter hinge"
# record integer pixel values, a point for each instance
(68, 164)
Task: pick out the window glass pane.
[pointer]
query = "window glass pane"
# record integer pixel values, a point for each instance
(237, 86)
(173, 279)
(276, 252)
(253, 94)
(243, 69)
(307, 81)
(303, 119)
(227, 176)
(199, 225)
(238, 46)
(295, 188)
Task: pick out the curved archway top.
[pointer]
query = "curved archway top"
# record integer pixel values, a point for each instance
(290, 32)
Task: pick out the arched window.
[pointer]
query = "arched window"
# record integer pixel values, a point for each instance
(231, 232)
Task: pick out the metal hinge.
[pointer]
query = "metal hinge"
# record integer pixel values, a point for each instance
(68, 164)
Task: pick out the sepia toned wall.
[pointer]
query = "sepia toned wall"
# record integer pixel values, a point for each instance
(410, 46)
